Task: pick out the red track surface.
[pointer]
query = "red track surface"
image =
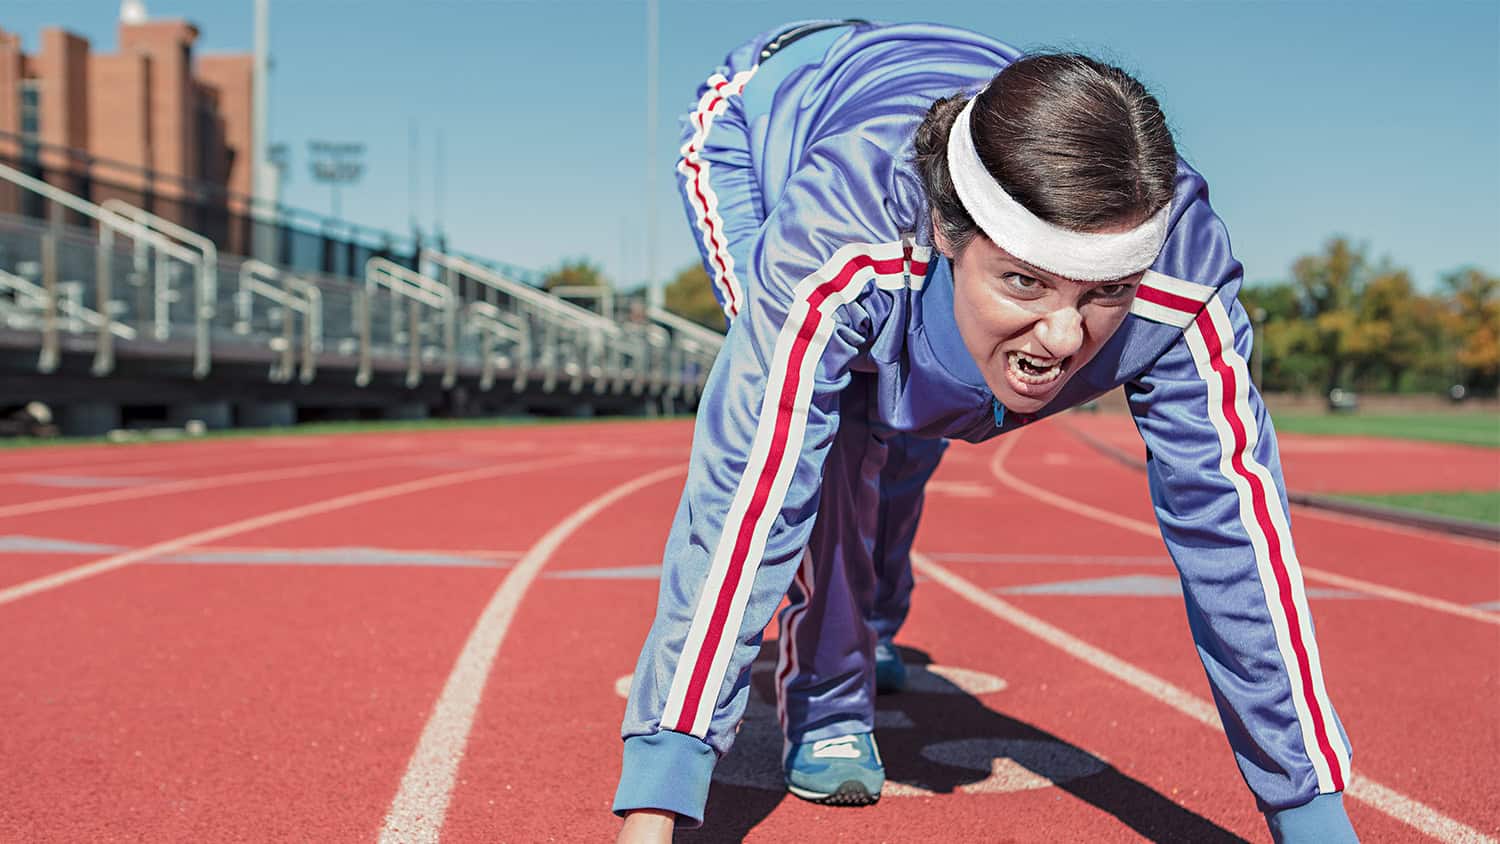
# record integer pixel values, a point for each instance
(171, 701)
(1318, 463)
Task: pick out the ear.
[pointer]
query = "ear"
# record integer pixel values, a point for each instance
(939, 239)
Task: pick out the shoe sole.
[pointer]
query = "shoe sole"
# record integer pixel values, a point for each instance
(851, 793)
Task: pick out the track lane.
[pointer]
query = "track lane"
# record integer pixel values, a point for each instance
(1327, 464)
(1354, 555)
(1152, 753)
(532, 770)
(1164, 733)
(266, 702)
(419, 810)
(543, 754)
(282, 515)
(1384, 748)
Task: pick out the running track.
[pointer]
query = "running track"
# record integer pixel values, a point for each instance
(418, 637)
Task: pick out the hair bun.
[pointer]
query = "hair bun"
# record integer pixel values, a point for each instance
(932, 135)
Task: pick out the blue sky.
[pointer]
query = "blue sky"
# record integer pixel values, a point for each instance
(1375, 120)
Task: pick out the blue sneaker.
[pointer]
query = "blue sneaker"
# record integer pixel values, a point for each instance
(843, 771)
(890, 671)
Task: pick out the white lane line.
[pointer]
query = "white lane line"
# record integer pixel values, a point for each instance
(1388, 801)
(997, 468)
(68, 502)
(481, 553)
(105, 469)
(1368, 523)
(421, 804)
(1303, 511)
(170, 546)
(1137, 561)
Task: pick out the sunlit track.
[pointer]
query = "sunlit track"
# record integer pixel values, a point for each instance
(200, 460)
(477, 553)
(421, 803)
(452, 702)
(997, 468)
(113, 456)
(1376, 524)
(1125, 458)
(89, 499)
(180, 543)
(1389, 801)
(108, 468)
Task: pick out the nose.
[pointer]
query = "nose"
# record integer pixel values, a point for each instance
(1061, 331)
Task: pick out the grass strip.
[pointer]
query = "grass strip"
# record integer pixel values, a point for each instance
(1482, 429)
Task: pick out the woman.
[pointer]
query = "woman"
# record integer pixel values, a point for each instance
(1076, 253)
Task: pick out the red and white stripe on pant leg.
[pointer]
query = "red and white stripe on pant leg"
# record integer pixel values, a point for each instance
(1211, 339)
(762, 489)
(700, 190)
(786, 656)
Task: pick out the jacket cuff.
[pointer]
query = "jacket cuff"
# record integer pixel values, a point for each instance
(667, 770)
(1319, 821)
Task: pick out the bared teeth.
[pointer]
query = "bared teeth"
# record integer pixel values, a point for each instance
(1032, 370)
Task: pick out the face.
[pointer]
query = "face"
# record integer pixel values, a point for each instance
(1030, 330)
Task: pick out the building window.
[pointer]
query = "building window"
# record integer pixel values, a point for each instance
(31, 119)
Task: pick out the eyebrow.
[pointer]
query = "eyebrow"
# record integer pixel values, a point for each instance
(1038, 273)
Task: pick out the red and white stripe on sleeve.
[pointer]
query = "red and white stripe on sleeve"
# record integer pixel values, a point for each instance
(700, 192)
(1210, 336)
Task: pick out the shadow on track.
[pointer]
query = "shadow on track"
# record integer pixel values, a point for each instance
(937, 737)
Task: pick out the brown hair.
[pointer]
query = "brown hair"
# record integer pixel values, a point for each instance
(1079, 143)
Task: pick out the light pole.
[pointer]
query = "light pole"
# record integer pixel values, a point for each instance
(336, 163)
(653, 289)
(264, 184)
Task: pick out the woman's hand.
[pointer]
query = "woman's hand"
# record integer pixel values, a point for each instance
(647, 826)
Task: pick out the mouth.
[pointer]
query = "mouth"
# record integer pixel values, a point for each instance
(1031, 375)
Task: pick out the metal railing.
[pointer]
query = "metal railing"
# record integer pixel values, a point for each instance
(64, 276)
(694, 351)
(569, 342)
(112, 224)
(206, 264)
(493, 325)
(294, 296)
(44, 303)
(414, 290)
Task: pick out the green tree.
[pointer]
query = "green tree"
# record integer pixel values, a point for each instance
(1396, 331)
(1286, 364)
(1473, 318)
(691, 295)
(1329, 285)
(575, 272)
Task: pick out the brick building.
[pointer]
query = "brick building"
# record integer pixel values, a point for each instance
(151, 123)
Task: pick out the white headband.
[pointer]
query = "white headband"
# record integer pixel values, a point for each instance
(1082, 256)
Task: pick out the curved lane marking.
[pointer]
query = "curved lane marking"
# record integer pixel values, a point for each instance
(170, 546)
(997, 468)
(421, 804)
(68, 502)
(1417, 815)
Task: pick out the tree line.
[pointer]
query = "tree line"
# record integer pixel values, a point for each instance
(1343, 319)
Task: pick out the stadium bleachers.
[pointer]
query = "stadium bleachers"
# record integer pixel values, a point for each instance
(107, 307)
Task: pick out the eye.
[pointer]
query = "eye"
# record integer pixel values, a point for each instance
(1113, 292)
(1023, 284)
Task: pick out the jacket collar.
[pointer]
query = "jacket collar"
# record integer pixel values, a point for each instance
(941, 330)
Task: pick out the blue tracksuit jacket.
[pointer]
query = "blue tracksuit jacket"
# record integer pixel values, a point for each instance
(832, 277)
